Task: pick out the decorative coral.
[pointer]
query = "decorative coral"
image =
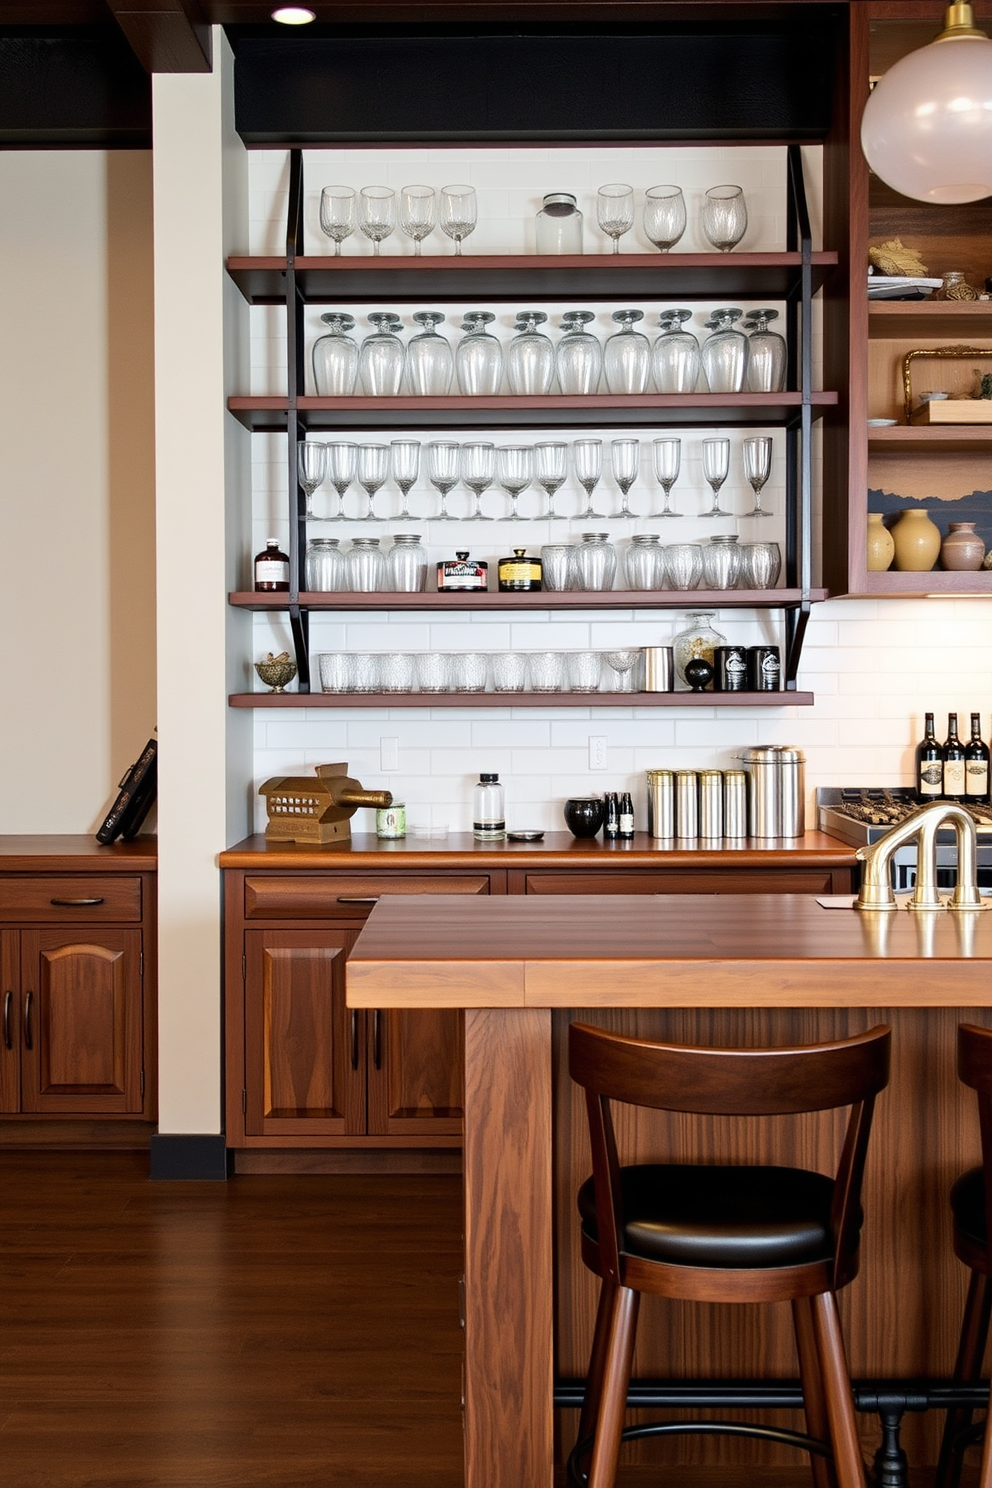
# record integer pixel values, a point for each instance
(894, 257)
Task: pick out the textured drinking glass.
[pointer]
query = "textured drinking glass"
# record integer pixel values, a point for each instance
(683, 565)
(595, 562)
(767, 354)
(377, 213)
(459, 213)
(627, 355)
(324, 566)
(514, 471)
(584, 670)
(468, 671)
(406, 564)
(434, 671)
(664, 216)
(667, 460)
(342, 458)
(724, 353)
(615, 211)
(428, 358)
(373, 471)
(716, 467)
(557, 567)
(625, 462)
(335, 671)
(311, 467)
(443, 457)
(397, 671)
(587, 457)
(381, 359)
(366, 670)
(509, 671)
(644, 562)
(724, 217)
(404, 467)
(721, 563)
(757, 454)
(550, 470)
(418, 213)
(675, 355)
(337, 214)
(761, 564)
(479, 357)
(366, 566)
(622, 664)
(530, 358)
(579, 356)
(547, 671)
(478, 474)
(335, 357)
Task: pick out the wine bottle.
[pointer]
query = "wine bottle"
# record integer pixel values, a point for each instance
(626, 825)
(976, 765)
(929, 765)
(953, 762)
(611, 824)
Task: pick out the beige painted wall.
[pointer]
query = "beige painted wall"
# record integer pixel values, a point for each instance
(77, 482)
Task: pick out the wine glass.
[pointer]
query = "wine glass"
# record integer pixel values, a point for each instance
(664, 216)
(418, 213)
(341, 460)
(459, 212)
(667, 459)
(550, 470)
(587, 456)
(757, 469)
(311, 467)
(337, 214)
(622, 664)
(625, 459)
(404, 465)
(478, 473)
(724, 217)
(514, 471)
(442, 472)
(716, 467)
(615, 211)
(373, 472)
(377, 213)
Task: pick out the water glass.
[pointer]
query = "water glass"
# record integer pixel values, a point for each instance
(547, 671)
(509, 671)
(557, 567)
(585, 668)
(644, 562)
(761, 564)
(397, 670)
(434, 671)
(335, 671)
(468, 671)
(366, 566)
(683, 565)
(324, 566)
(366, 671)
(721, 562)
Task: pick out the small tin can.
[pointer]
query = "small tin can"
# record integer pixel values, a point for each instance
(686, 804)
(661, 803)
(735, 803)
(711, 803)
(390, 821)
(730, 669)
(764, 669)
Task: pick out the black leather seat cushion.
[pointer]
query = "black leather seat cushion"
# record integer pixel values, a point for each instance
(728, 1217)
(968, 1205)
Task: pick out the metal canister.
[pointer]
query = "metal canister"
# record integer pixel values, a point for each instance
(686, 804)
(792, 791)
(764, 669)
(661, 803)
(730, 669)
(659, 669)
(711, 803)
(764, 817)
(735, 803)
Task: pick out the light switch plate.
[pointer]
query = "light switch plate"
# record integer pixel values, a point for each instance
(597, 751)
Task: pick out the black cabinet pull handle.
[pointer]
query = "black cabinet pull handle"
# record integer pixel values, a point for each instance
(354, 899)
(28, 1036)
(377, 1039)
(354, 1039)
(74, 903)
(8, 1003)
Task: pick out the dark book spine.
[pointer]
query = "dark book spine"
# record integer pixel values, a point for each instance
(141, 773)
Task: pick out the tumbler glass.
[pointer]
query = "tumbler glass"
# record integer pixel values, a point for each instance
(557, 570)
(509, 671)
(468, 671)
(396, 671)
(547, 671)
(366, 671)
(585, 669)
(434, 671)
(335, 671)
(683, 565)
(761, 564)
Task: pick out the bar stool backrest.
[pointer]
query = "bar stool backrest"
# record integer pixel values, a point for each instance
(975, 1069)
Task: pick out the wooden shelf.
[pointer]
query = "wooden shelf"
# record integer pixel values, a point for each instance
(611, 599)
(520, 699)
(940, 438)
(894, 320)
(924, 585)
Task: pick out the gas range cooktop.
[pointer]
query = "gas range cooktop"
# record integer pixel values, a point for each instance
(861, 815)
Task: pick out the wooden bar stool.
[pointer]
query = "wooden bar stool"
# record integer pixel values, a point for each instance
(725, 1233)
(970, 1206)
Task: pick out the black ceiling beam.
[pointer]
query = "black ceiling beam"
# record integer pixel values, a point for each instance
(166, 35)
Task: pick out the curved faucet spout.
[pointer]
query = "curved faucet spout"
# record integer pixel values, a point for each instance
(923, 824)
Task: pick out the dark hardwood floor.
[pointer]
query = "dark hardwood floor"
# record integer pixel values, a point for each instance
(277, 1331)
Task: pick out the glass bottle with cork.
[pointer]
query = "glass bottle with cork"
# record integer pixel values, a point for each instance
(976, 766)
(929, 765)
(953, 757)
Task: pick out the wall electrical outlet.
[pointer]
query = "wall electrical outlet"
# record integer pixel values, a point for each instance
(597, 751)
(389, 754)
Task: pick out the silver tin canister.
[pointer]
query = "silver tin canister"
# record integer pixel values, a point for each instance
(661, 803)
(711, 804)
(735, 803)
(764, 814)
(659, 669)
(792, 791)
(686, 804)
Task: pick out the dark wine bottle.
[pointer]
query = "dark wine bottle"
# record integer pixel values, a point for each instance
(953, 762)
(626, 816)
(976, 765)
(611, 825)
(929, 765)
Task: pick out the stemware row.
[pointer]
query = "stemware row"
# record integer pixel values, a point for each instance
(421, 209)
(723, 217)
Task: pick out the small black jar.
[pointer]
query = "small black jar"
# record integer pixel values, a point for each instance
(584, 815)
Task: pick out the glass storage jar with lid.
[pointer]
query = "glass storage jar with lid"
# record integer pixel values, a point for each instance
(644, 562)
(324, 566)
(697, 642)
(366, 566)
(559, 224)
(595, 562)
(335, 357)
(406, 564)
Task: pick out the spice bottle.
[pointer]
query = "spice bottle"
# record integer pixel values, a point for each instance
(488, 811)
(518, 573)
(272, 568)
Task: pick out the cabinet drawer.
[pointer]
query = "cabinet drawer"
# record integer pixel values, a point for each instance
(345, 896)
(687, 881)
(75, 899)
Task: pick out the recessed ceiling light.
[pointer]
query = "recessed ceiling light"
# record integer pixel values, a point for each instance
(294, 15)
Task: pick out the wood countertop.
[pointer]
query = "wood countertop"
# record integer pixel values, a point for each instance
(67, 853)
(720, 950)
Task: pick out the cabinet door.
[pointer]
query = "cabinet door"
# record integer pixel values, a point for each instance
(81, 1023)
(304, 1050)
(10, 1022)
(729, 880)
(415, 1072)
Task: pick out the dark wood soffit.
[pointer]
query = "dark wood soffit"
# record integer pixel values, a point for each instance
(166, 35)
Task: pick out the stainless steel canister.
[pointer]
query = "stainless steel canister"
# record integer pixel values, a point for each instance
(764, 814)
(686, 804)
(711, 803)
(659, 669)
(735, 803)
(792, 791)
(661, 803)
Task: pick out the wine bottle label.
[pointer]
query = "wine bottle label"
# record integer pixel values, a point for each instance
(954, 777)
(626, 824)
(976, 777)
(931, 778)
(459, 574)
(271, 571)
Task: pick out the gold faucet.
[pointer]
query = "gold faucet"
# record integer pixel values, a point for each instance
(923, 825)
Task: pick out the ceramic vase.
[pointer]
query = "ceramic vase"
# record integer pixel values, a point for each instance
(881, 544)
(917, 541)
(962, 550)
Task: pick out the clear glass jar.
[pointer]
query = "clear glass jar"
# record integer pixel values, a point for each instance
(595, 562)
(366, 566)
(488, 812)
(766, 353)
(644, 562)
(324, 566)
(335, 357)
(721, 562)
(428, 358)
(579, 356)
(530, 360)
(559, 225)
(724, 353)
(406, 564)
(699, 639)
(479, 357)
(675, 355)
(627, 355)
(381, 359)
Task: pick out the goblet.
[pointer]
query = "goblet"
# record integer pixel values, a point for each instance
(550, 470)
(341, 459)
(442, 472)
(757, 469)
(377, 213)
(311, 467)
(724, 217)
(667, 459)
(337, 214)
(622, 664)
(664, 216)
(459, 212)
(615, 211)
(716, 467)
(429, 361)
(587, 456)
(418, 213)
(514, 471)
(373, 472)
(478, 473)
(404, 465)
(625, 461)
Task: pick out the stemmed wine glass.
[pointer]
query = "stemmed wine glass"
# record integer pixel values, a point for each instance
(724, 217)
(550, 470)
(587, 456)
(514, 471)
(341, 460)
(459, 212)
(757, 469)
(716, 467)
(442, 472)
(377, 213)
(615, 211)
(404, 464)
(311, 467)
(478, 473)
(622, 664)
(664, 216)
(373, 472)
(625, 459)
(418, 213)
(337, 214)
(667, 459)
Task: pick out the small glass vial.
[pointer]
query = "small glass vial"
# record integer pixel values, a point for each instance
(479, 357)
(595, 562)
(488, 810)
(675, 355)
(324, 566)
(579, 356)
(530, 360)
(519, 574)
(462, 574)
(766, 355)
(406, 564)
(366, 566)
(335, 357)
(428, 358)
(271, 568)
(724, 353)
(559, 224)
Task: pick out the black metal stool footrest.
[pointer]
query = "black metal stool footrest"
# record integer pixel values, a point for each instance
(579, 1476)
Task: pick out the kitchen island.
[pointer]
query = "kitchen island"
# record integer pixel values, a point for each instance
(724, 969)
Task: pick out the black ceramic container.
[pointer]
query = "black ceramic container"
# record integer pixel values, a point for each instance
(584, 815)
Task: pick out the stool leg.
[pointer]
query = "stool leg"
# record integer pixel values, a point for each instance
(848, 1461)
(597, 1359)
(616, 1378)
(967, 1370)
(812, 1383)
(985, 1475)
